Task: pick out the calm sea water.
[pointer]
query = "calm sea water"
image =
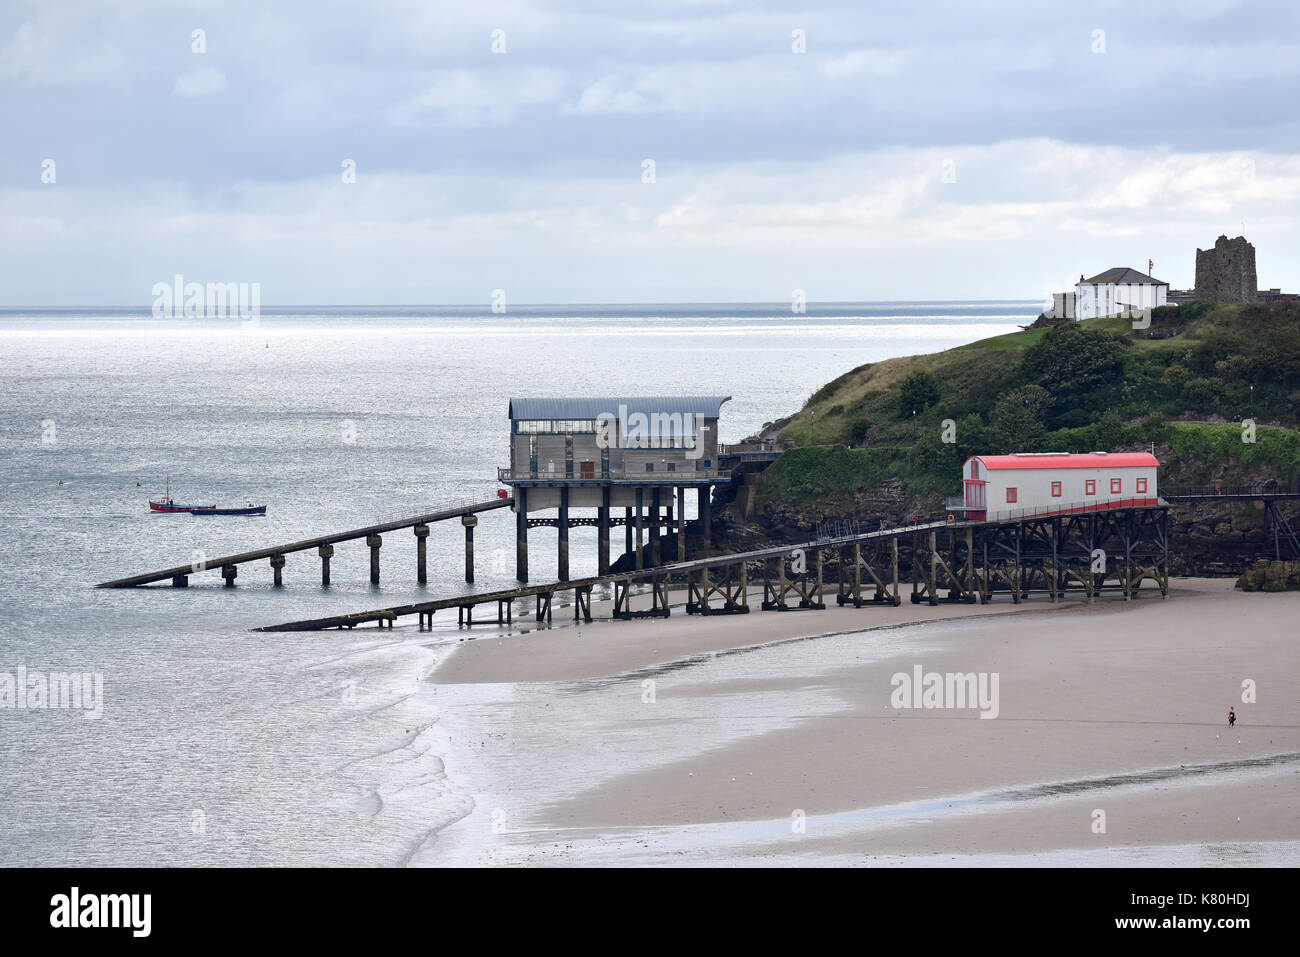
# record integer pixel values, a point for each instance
(219, 745)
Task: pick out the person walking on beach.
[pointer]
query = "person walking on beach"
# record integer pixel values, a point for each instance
(1232, 718)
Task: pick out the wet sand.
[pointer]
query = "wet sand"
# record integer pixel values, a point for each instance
(746, 739)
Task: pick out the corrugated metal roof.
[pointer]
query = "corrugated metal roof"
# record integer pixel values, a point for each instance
(1067, 460)
(1123, 275)
(710, 406)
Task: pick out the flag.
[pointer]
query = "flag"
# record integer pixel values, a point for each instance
(1151, 267)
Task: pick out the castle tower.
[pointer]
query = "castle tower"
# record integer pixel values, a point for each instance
(1226, 273)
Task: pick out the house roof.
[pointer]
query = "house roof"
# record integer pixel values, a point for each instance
(1123, 275)
(709, 406)
(1067, 460)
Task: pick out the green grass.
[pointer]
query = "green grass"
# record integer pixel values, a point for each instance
(1111, 389)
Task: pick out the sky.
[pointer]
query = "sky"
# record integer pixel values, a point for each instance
(403, 152)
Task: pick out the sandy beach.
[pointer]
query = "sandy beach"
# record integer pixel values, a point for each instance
(771, 738)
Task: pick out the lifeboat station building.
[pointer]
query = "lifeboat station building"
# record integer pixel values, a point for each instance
(1043, 483)
(641, 454)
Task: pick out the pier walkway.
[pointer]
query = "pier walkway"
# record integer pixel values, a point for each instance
(324, 544)
(1102, 548)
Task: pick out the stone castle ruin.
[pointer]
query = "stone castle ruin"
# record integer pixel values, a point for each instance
(1226, 273)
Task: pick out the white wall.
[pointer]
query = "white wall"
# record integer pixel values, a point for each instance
(1108, 299)
(1034, 486)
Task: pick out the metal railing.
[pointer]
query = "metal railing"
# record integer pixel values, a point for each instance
(768, 446)
(999, 514)
(506, 474)
(1221, 491)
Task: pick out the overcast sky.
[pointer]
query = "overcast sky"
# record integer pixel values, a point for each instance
(916, 150)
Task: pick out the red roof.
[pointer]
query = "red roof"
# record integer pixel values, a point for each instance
(1068, 460)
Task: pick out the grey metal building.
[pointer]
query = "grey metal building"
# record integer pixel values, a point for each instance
(637, 453)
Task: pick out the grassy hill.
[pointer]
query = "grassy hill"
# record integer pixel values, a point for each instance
(1184, 385)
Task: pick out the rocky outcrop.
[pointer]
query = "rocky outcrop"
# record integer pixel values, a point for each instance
(1271, 576)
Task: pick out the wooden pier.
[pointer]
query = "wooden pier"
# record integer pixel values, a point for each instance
(324, 545)
(1056, 553)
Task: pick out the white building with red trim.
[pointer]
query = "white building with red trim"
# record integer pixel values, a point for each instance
(1004, 486)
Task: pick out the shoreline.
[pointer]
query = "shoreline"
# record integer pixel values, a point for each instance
(751, 732)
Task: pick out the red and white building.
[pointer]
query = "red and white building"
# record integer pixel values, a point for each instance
(1004, 486)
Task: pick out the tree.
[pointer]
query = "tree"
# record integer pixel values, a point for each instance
(1080, 366)
(1017, 421)
(919, 391)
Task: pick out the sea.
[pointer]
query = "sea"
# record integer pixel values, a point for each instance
(199, 741)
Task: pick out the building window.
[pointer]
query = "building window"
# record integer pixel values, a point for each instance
(672, 466)
(1056, 489)
(554, 426)
(649, 466)
(706, 464)
(1116, 486)
(1090, 487)
(1011, 495)
(1142, 485)
(975, 469)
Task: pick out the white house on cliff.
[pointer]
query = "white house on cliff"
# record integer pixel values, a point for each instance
(1119, 289)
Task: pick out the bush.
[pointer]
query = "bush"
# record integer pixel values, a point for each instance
(918, 393)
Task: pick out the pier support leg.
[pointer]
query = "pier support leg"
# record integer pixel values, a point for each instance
(228, 572)
(627, 531)
(602, 533)
(563, 523)
(326, 552)
(180, 581)
(521, 534)
(681, 523)
(652, 542)
(470, 522)
(669, 528)
(277, 569)
(422, 553)
(706, 513)
(640, 529)
(374, 541)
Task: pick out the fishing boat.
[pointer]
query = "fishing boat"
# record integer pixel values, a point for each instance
(167, 504)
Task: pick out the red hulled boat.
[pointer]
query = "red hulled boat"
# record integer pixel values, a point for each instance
(167, 504)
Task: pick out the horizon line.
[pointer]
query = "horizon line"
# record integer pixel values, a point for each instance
(477, 305)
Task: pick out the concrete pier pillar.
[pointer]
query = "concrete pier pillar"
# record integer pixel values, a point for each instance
(640, 526)
(521, 534)
(602, 533)
(180, 581)
(627, 530)
(228, 572)
(326, 552)
(421, 553)
(374, 541)
(277, 569)
(562, 555)
(470, 522)
(706, 513)
(681, 523)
